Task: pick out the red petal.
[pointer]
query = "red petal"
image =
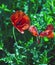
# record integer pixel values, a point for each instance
(33, 30)
(50, 27)
(48, 32)
(20, 21)
(42, 34)
(16, 16)
(45, 33)
(51, 35)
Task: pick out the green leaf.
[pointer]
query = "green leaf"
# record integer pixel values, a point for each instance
(33, 1)
(3, 6)
(49, 20)
(46, 39)
(1, 46)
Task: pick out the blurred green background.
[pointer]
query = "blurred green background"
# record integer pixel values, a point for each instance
(18, 49)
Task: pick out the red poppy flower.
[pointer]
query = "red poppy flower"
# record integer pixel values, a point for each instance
(47, 33)
(50, 27)
(20, 21)
(33, 30)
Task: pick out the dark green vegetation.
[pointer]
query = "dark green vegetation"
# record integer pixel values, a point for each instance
(18, 49)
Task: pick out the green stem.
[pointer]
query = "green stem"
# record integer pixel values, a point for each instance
(14, 34)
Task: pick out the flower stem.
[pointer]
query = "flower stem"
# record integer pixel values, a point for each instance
(14, 34)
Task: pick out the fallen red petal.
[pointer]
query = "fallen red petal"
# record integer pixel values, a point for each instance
(33, 31)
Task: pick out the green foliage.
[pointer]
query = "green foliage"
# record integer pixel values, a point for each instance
(46, 39)
(1, 45)
(4, 7)
(18, 49)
